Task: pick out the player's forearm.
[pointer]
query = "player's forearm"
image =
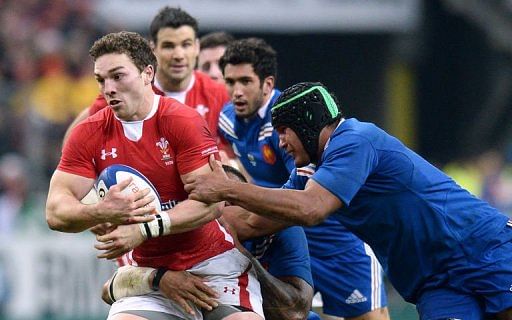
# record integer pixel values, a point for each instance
(65, 213)
(128, 281)
(248, 225)
(292, 206)
(282, 300)
(190, 214)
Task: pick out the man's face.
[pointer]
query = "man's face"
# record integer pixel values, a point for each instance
(176, 51)
(289, 141)
(208, 62)
(245, 89)
(121, 83)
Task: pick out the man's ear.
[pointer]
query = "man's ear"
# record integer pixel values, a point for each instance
(268, 85)
(148, 74)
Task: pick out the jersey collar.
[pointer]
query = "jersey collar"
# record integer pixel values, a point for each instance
(263, 110)
(329, 140)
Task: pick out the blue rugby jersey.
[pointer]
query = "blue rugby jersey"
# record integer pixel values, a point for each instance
(256, 144)
(250, 138)
(417, 220)
(284, 254)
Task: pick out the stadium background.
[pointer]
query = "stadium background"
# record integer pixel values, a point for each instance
(436, 73)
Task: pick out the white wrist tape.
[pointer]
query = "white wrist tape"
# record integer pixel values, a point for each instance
(130, 281)
(160, 226)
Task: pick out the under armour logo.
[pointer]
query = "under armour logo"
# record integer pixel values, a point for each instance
(228, 290)
(105, 154)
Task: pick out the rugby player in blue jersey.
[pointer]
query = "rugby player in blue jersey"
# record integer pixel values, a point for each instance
(345, 270)
(442, 248)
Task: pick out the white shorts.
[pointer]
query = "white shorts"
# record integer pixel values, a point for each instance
(225, 273)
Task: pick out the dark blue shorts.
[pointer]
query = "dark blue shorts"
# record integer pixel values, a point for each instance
(350, 283)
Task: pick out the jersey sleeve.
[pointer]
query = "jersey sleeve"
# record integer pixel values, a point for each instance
(292, 256)
(77, 154)
(194, 143)
(346, 164)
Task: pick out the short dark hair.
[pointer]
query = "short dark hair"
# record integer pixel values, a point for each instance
(172, 18)
(130, 43)
(215, 39)
(254, 51)
(234, 172)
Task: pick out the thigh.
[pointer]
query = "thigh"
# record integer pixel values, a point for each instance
(444, 303)
(143, 315)
(232, 276)
(153, 302)
(350, 283)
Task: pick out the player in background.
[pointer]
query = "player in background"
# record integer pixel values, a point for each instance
(175, 42)
(282, 266)
(167, 142)
(443, 249)
(345, 271)
(213, 46)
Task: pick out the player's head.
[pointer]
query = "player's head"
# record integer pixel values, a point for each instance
(250, 69)
(305, 108)
(124, 67)
(176, 46)
(213, 45)
(233, 173)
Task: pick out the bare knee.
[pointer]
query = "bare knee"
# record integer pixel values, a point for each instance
(243, 316)
(126, 316)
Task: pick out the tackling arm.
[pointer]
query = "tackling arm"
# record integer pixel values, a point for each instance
(249, 225)
(304, 207)
(179, 286)
(287, 298)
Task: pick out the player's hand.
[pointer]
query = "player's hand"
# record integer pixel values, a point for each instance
(102, 228)
(209, 188)
(120, 208)
(184, 288)
(119, 241)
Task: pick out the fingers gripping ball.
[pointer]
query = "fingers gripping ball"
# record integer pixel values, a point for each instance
(116, 173)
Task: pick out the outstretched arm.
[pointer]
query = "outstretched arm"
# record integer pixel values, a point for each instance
(285, 298)
(304, 207)
(249, 225)
(179, 286)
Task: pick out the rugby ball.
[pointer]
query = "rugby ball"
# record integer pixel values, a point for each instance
(116, 173)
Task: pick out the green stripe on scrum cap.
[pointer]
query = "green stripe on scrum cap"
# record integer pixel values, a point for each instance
(329, 101)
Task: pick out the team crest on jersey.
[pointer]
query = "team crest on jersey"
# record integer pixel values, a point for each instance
(268, 154)
(163, 145)
(202, 109)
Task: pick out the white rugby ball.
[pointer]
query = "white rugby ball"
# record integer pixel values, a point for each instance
(116, 173)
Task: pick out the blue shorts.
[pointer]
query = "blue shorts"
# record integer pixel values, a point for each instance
(350, 283)
(480, 286)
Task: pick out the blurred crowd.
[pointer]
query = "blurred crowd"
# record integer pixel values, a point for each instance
(45, 81)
